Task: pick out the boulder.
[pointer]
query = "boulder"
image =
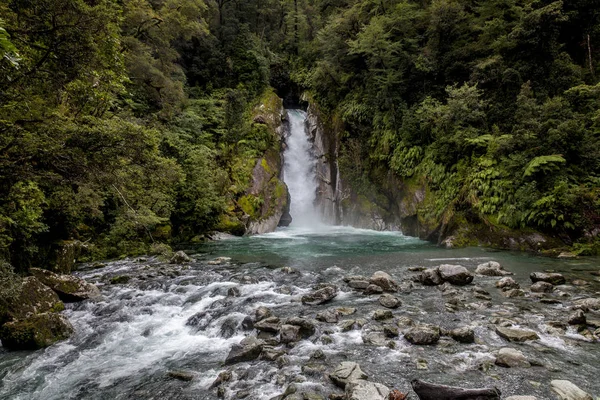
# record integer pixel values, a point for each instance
(290, 333)
(375, 338)
(69, 288)
(269, 324)
(33, 298)
(567, 390)
(364, 390)
(463, 335)
(510, 293)
(380, 315)
(330, 316)
(384, 281)
(577, 318)
(261, 313)
(180, 258)
(422, 335)
(389, 301)
(320, 296)
(429, 391)
(35, 332)
(553, 278)
(542, 287)
(358, 284)
(346, 372)
(249, 349)
(455, 274)
(373, 289)
(308, 327)
(511, 358)
(589, 303)
(507, 283)
(431, 277)
(491, 268)
(516, 335)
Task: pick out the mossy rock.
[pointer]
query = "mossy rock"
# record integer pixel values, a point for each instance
(119, 280)
(231, 225)
(68, 288)
(33, 298)
(35, 332)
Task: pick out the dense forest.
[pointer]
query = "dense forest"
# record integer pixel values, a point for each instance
(127, 124)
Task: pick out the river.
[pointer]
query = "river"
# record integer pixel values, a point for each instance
(166, 332)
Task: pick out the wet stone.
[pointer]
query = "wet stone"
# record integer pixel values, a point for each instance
(463, 335)
(430, 277)
(422, 335)
(384, 281)
(567, 390)
(270, 324)
(346, 372)
(511, 293)
(491, 268)
(364, 390)
(181, 375)
(290, 333)
(507, 283)
(374, 338)
(577, 318)
(455, 274)
(320, 296)
(391, 331)
(373, 289)
(330, 316)
(262, 313)
(380, 315)
(516, 335)
(389, 301)
(247, 350)
(511, 358)
(180, 258)
(589, 303)
(307, 326)
(346, 310)
(542, 287)
(234, 292)
(360, 285)
(550, 277)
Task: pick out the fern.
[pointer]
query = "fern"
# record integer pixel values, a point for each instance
(544, 164)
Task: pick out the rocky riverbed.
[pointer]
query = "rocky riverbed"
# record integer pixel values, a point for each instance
(348, 315)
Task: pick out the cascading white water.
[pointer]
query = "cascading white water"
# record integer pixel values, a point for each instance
(299, 172)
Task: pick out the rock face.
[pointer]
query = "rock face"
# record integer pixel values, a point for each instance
(553, 278)
(320, 296)
(347, 372)
(516, 335)
(491, 268)
(429, 391)
(455, 274)
(35, 332)
(33, 298)
(566, 390)
(69, 288)
(511, 358)
(384, 281)
(422, 335)
(364, 390)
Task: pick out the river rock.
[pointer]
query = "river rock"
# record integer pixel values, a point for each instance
(550, 277)
(180, 258)
(567, 390)
(69, 288)
(358, 284)
(510, 293)
(346, 372)
(269, 324)
(516, 335)
(507, 283)
(521, 398)
(491, 268)
(373, 289)
(542, 287)
(330, 316)
(429, 391)
(34, 298)
(380, 315)
(290, 333)
(375, 338)
(589, 303)
(308, 327)
(577, 318)
(384, 281)
(249, 349)
(35, 332)
(181, 375)
(422, 335)
(320, 296)
(389, 301)
(364, 390)
(455, 274)
(462, 335)
(261, 313)
(431, 277)
(511, 358)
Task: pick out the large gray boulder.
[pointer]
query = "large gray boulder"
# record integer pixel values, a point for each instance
(511, 358)
(491, 268)
(364, 390)
(69, 288)
(346, 372)
(389, 301)
(290, 333)
(516, 335)
(567, 390)
(384, 281)
(320, 296)
(249, 349)
(35, 332)
(422, 335)
(431, 277)
(462, 335)
(550, 277)
(455, 274)
(33, 298)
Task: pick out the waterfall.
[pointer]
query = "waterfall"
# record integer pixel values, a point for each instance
(299, 172)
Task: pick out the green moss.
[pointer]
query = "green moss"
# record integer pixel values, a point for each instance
(119, 280)
(58, 307)
(251, 205)
(230, 224)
